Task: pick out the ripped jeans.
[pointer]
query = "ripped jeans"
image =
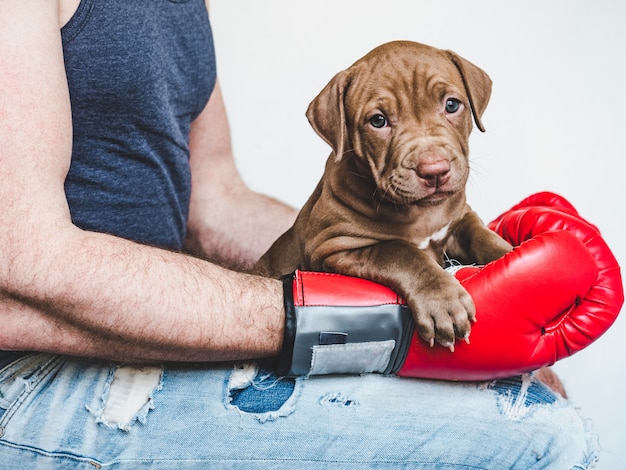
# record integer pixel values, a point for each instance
(64, 413)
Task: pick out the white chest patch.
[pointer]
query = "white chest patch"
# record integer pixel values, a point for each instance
(435, 237)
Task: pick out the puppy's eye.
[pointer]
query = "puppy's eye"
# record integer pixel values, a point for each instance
(452, 105)
(378, 121)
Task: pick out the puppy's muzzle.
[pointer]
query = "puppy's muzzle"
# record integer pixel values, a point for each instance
(433, 174)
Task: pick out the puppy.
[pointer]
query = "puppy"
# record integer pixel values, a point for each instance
(391, 203)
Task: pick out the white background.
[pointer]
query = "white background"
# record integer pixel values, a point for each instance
(556, 120)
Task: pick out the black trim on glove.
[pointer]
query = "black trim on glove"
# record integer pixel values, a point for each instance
(289, 335)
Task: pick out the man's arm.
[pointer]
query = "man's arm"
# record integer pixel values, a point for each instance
(69, 291)
(227, 221)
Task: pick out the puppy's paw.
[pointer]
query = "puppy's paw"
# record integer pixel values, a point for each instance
(443, 311)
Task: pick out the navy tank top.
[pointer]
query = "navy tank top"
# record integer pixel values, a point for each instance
(139, 72)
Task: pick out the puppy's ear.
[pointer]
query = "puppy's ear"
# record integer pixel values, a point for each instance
(477, 86)
(327, 115)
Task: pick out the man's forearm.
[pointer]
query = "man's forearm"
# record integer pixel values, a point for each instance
(102, 296)
(228, 221)
(243, 225)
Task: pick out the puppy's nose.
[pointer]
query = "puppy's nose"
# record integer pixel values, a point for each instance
(434, 173)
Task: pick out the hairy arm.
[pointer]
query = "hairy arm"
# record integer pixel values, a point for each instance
(228, 222)
(69, 291)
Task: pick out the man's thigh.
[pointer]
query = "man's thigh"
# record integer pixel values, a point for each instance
(58, 413)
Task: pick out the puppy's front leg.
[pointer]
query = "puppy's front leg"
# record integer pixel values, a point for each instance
(471, 242)
(441, 307)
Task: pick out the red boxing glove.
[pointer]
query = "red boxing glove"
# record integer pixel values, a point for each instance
(554, 294)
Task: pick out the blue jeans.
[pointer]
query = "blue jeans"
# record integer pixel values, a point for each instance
(60, 413)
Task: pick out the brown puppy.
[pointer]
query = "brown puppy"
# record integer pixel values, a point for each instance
(391, 202)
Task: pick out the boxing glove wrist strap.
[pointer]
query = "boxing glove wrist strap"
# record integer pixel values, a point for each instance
(337, 336)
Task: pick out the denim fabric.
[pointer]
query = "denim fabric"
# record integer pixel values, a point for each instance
(52, 416)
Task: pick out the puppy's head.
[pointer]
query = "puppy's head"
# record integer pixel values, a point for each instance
(406, 110)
